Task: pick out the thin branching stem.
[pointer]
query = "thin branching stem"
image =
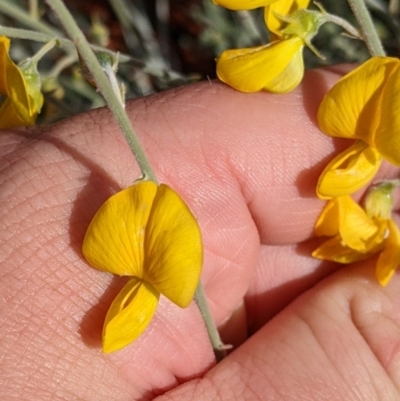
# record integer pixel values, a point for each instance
(103, 85)
(367, 27)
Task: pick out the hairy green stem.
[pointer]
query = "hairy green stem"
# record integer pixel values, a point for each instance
(368, 31)
(216, 343)
(103, 84)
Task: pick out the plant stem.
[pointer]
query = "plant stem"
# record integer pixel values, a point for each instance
(217, 345)
(103, 84)
(46, 48)
(17, 13)
(367, 27)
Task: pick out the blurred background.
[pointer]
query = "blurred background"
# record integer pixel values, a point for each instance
(166, 43)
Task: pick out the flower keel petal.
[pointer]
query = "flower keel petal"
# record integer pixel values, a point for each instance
(129, 315)
(349, 171)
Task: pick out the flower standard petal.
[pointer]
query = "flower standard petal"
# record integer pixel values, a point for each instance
(276, 67)
(281, 8)
(387, 135)
(243, 4)
(351, 109)
(389, 259)
(114, 240)
(129, 314)
(174, 252)
(349, 171)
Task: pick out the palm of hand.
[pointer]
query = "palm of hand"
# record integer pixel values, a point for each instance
(247, 166)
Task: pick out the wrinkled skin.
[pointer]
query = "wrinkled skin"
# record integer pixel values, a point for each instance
(247, 165)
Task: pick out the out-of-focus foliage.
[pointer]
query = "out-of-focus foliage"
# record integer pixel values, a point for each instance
(164, 43)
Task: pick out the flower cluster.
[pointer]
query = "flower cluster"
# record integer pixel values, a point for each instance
(21, 87)
(363, 107)
(148, 233)
(277, 66)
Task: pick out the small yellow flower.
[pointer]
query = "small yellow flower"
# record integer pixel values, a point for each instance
(148, 233)
(273, 9)
(276, 67)
(23, 100)
(362, 106)
(357, 235)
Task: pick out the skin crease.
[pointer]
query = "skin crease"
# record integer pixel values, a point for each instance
(247, 165)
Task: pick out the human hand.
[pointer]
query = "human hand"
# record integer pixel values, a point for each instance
(247, 165)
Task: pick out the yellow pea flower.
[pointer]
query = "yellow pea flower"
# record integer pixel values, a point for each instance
(23, 98)
(273, 9)
(148, 233)
(357, 234)
(362, 106)
(276, 67)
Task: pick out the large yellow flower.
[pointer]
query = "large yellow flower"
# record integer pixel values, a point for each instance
(364, 106)
(357, 235)
(148, 233)
(23, 100)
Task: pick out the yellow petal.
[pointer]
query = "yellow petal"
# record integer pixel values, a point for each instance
(174, 252)
(277, 67)
(344, 218)
(114, 241)
(281, 8)
(336, 251)
(357, 230)
(328, 221)
(351, 109)
(129, 314)
(387, 136)
(389, 259)
(243, 4)
(18, 110)
(349, 171)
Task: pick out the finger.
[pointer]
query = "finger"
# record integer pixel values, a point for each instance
(340, 340)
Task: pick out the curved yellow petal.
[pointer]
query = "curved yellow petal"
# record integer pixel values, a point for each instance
(357, 230)
(352, 108)
(344, 218)
(336, 251)
(349, 171)
(16, 110)
(328, 221)
(129, 314)
(389, 259)
(387, 135)
(243, 4)
(114, 241)
(174, 252)
(281, 8)
(277, 67)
